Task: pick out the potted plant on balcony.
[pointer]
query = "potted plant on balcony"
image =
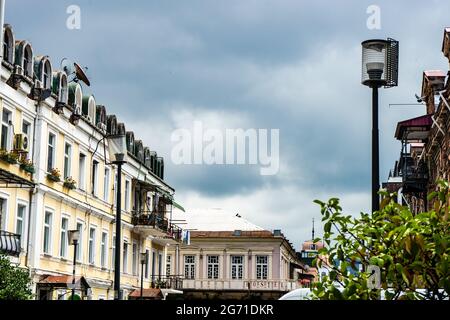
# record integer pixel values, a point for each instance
(54, 175)
(26, 165)
(69, 183)
(9, 156)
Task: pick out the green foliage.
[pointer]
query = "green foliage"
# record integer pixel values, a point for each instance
(412, 251)
(14, 281)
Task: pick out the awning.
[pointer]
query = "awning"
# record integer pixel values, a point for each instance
(9, 243)
(415, 129)
(10, 180)
(65, 282)
(150, 293)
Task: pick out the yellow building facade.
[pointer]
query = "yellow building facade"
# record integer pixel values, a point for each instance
(66, 134)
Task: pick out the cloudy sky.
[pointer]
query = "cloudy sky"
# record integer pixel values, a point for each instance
(273, 64)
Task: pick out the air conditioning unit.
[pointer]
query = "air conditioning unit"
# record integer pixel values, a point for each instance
(18, 70)
(38, 85)
(87, 118)
(16, 77)
(21, 143)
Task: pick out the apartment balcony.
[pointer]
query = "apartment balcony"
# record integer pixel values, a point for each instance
(238, 285)
(153, 224)
(414, 176)
(167, 282)
(9, 243)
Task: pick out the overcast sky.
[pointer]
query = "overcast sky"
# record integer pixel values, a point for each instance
(289, 65)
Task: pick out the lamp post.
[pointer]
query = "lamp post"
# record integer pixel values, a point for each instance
(117, 154)
(379, 68)
(144, 258)
(74, 236)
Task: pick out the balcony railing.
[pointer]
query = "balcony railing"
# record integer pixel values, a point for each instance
(9, 243)
(414, 176)
(282, 285)
(162, 226)
(167, 282)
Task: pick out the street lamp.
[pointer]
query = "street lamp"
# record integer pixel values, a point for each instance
(379, 68)
(74, 236)
(117, 155)
(144, 259)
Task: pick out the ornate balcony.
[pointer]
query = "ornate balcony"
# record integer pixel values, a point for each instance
(9, 243)
(414, 175)
(153, 223)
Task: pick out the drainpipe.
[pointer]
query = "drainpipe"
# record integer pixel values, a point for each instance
(2, 22)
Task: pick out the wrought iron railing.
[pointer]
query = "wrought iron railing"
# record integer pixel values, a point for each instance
(9, 243)
(167, 282)
(156, 220)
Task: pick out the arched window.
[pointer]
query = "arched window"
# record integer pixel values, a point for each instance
(100, 115)
(130, 141)
(75, 96)
(111, 124)
(121, 128)
(147, 158)
(89, 108)
(8, 44)
(24, 57)
(47, 75)
(139, 150)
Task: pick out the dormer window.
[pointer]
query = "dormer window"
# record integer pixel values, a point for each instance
(139, 150)
(8, 44)
(43, 71)
(89, 108)
(47, 75)
(28, 61)
(111, 122)
(130, 142)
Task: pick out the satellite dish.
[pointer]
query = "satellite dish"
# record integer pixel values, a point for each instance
(74, 70)
(80, 74)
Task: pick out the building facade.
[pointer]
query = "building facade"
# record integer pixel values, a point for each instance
(56, 176)
(243, 263)
(425, 141)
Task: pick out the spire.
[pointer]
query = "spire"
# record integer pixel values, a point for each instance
(313, 229)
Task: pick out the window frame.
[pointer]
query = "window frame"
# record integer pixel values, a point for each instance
(237, 267)
(213, 268)
(51, 212)
(106, 183)
(53, 154)
(91, 249)
(82, 170)
(79, 251)
(104, 249)
(189, 266)
(263, 266)
(9, 139)
(67, 157)
(64, 247)
(24, 222)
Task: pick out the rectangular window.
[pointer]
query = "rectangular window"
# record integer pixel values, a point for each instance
(125, 257)
(115, 189)
(94, 177)
(113, 252)
(153, 265)
(82, 172)
(6, 135)
(261, 267)
(147, 257)
(51, 151)
(160, 262)
(106, 185)
(80, 241)
(67, 160)
(189, 267)
(92, 245)
(47, 232)
(64, 242)
(104, 245)
(168, 265)
(3, 213)
(135, 258)
(213, 267)
(237, 267)
(20, 223)
(127, 195)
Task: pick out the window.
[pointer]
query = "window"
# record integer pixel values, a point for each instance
(115, 189)
(153, 264)
(189, 267)
(92, 245)
(147, 257)
(261, 267)
(6, 135)
(3, 212)
(168, 265)
(237, 267)
(46, 77)
(82, 172)
(80, 241)
(47, 232)
(106, 185)
(28, 61)
(113, 252)
(135, 257)
(20, 222)
(67, 160)
(63, 237)
(51, 151)
(160, 262)
(213, 267)
(127, 195)
(125, 257)
(104, 245)
(94, 177)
